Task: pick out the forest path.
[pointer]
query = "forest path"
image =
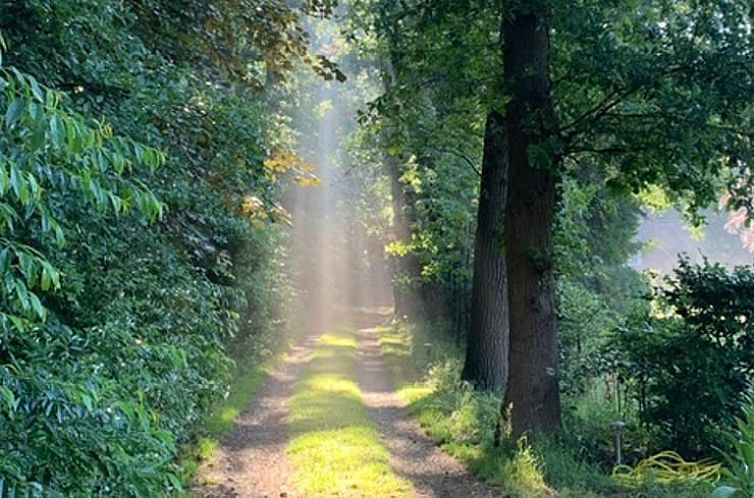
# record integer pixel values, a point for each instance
(413, 456)
(252, 461)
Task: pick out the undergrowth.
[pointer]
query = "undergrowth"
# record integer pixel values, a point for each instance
(426, 369)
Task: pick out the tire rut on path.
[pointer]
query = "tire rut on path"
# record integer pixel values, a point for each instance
(251, 460)
(414, 456)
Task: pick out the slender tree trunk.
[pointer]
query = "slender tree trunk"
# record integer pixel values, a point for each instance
(486, 363)
(532, 392)
(406, 269)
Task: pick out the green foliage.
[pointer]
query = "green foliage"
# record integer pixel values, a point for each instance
(118, 309)
(594, 234)
(428, 118)
(575, 463)
(738, 476)
(648, 103)
(691, 364)
(47, 151)
(642, 106)
(456, 416)
(585, 322)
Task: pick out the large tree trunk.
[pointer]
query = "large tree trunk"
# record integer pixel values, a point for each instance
(486, 363)
(532, 392)
(406, 269)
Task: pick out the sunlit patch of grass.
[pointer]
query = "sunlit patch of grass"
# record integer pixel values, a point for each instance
(242, 391)
(335, 449)
(337, 341)
(206, 447)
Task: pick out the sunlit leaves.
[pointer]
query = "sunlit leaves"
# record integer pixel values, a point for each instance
(281, 163)
(325, 68)
(250, 40)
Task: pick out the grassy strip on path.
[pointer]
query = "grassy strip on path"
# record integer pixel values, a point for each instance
(335, 449)
(462, 421)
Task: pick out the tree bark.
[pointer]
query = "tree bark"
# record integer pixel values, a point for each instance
(486, 364)
(532, 393)
(406, 269)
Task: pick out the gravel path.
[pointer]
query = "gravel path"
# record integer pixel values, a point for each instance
(414, 457)
(251, 461)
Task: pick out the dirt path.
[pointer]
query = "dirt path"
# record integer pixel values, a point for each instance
(251, 461)
(413, 456)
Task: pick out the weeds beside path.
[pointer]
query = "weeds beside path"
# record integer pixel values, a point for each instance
(415, 457)
(462, 421)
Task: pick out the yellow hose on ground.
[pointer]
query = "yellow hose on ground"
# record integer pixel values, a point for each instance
(666, 467)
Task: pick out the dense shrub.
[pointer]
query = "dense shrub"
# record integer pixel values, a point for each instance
(131, 259)
(737, 475)
(692, 358)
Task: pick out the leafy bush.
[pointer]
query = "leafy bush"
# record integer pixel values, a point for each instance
(118, 309)
(57, 404)
(584, 322)
(692, 360)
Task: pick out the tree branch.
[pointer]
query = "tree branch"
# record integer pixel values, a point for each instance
(463, 156)
(615, 150)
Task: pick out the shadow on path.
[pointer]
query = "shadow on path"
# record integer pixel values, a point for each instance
(251, 461)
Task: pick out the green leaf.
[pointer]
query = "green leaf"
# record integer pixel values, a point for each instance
(22, 294)
(723, 492)
(26, 265)
(139, 153)
(57, 132)
(17, 183)
(36, 305)
(18, 323)
(45, 282)
(72, 136)
(4, 180)
(36, 90)
(52, 274)
(34, 188)
(14, 112)
(5, 257)
(10, 401)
